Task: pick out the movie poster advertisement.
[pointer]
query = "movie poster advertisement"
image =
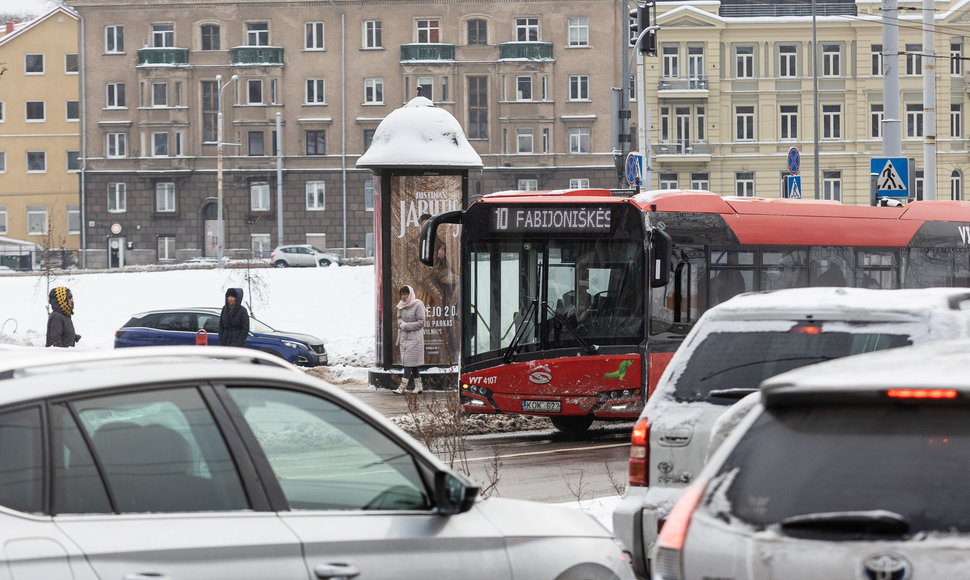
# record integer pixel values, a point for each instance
(413, 197)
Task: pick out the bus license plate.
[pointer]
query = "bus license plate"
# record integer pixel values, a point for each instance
(542, 406)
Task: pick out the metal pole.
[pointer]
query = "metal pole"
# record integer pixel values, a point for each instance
(279, 179)
(818, 187)
(219, 218)
(929, 103)
(892, 136)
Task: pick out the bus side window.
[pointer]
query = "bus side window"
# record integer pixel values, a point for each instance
(725, 283)
(831, 266)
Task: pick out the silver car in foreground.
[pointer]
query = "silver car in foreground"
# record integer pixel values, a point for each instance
(855, 468)
(210, 463)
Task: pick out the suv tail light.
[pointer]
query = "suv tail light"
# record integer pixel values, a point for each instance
(670, 542)
(639, 453)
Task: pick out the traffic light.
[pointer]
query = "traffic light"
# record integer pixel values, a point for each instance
(640, 22)
(649, 45)
(634, 25)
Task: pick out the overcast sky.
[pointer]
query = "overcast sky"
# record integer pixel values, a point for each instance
(30, 8)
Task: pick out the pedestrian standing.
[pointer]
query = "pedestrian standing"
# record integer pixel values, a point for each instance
(60, 327)
(410, 337)
(234, 320)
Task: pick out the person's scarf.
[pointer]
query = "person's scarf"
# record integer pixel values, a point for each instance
(407, 300)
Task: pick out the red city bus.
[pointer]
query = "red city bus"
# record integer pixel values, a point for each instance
(573, 301)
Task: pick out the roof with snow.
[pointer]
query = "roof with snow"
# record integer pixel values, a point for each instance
(420, 134)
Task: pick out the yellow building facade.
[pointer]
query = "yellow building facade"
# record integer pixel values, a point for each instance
(40, 131)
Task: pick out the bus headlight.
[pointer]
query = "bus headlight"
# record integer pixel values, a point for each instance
(620, 395)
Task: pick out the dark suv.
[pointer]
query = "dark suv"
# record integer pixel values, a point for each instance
(190, 325)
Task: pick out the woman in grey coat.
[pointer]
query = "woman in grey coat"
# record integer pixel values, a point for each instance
(410, 337)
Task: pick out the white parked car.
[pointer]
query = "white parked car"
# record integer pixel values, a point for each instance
(855, 468)
(208, 462)
(303, 255)
(731, 350)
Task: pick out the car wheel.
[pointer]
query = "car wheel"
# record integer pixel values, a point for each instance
(280, 264)
(324, 263)
(571, 424)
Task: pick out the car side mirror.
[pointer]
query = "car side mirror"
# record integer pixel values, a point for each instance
(453, 493)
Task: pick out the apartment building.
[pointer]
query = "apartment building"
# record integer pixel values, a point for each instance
(40, 132)
(732, 90)
(529, 81)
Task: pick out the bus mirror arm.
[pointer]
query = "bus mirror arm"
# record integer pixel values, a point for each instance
(589, 347)
(428, 232)
(662, 257)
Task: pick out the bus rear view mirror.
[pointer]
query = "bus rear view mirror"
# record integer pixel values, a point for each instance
(662, 247)
(429, 231)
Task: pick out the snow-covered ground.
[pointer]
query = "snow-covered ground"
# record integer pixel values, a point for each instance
(336, 304)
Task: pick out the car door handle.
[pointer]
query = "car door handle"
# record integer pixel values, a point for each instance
(146, 576)
(336, 570)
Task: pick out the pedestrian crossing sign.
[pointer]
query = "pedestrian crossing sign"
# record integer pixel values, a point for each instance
(892, 176)
(794, 187)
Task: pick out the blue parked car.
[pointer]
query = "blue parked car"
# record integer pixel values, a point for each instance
(184, 326)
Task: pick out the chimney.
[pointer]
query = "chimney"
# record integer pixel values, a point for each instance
(10, 24)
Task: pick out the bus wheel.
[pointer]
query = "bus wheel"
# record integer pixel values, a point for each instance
(572, 424)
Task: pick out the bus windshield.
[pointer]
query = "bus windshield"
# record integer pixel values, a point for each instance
(529, 295)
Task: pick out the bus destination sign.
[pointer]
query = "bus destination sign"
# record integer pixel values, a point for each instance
(550, 219)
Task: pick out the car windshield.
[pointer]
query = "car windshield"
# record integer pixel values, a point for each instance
(259, 326)
(836, 466)
(727, 364)
(318, 250)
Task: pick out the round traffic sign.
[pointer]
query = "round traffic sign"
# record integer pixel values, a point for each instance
(633, 168)
(793, 161)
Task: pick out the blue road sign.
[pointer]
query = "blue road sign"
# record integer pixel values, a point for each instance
(634, 168)
(793, 161)
(892, 176)
(794, 187)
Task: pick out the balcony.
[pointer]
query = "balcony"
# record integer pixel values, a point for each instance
(525, 51)
(684, 150)
(256, 55)
(427, 52)
(164, 56)
(674, 84)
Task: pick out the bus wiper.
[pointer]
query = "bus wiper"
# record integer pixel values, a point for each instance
(520, 332)
(866, 522)
(589, 347)
(763, 362)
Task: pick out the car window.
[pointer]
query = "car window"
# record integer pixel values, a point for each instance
(78, 488)
(161, 451)
(21, 460)
(178, 321)
(325, 457)
(210, 322)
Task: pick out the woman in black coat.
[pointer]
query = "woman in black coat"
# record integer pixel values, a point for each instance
(234, 320)
(60, 327)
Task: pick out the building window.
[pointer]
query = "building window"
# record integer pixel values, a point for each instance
(374, 91)
(3, 219)
(875, 120)
(831, 60)
(36, 220)
(159, 94)
(70, 63)
(744, 184)
(578, 31)
(700, 181)
(114, 39)
(166, 248)
(160, 144)
(313, 36)
(787, 61)
(914, 120)
(210, 37)
(527, 184)
(876, 55)
(35, 111)
(523, 140)
(115, 96)
(117, 198)
(256, 144)
(210, 111)
(117, 145)
(257, 34)
(36, 161)
(477, 32)
(261, 245)
(956, 120)
(425, 86)
(368, 138)
(165, 197)
(744, 62)
(527, 29)
(668, 181)
(316, 142)
(832, 185)
(73, 219)
(372, 34)
(579, 87)
(316, 199)
(956, 59)
(914, 60)
(73, 161)
(789, 122)
(259, 196)
(315, 93)
(3, 161)
(579, 183)
(254, 91)
(163, 35)
(956, 185)
(671, 61)
(72, 111)
(831, 121)
(478, 107)
(744, 123)
(369, 195)
(545, 140)
(179, 143)
(428, 31)
(579, 140)
(695, 64)
(2, 112)
(523, 88)
(34, 64)
(918, 184)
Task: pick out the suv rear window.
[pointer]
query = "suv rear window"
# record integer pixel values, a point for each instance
(803, 467)
(741, 360)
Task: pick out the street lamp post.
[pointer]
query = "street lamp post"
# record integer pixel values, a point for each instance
(219, 222)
